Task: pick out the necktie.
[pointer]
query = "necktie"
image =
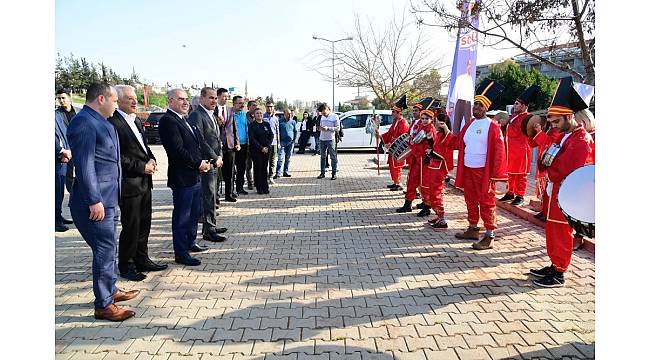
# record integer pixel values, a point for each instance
(187, 124)
(230, 138)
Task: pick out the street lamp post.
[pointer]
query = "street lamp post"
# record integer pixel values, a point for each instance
(332, 42)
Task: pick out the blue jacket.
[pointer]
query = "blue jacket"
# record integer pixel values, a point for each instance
(60, 143)
(288, 131)
(96, 150)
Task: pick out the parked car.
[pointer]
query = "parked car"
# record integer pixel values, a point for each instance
(354, 128)
(151, 127)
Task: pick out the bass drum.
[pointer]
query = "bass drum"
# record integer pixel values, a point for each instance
(400, 147)
(576, 199)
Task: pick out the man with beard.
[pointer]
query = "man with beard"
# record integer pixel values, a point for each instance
(518, 151)
(481, 163)
(397, 128)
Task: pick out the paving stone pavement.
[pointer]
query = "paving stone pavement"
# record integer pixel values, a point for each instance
(323, 269)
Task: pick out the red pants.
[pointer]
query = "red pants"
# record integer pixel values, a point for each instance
(517, 184)
(413, 181)
(433, 182)
(479, 203)
(559, 244)
(395, 168)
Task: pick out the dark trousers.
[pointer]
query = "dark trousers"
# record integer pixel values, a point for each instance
(59, 184)
(462, 111)
(185, 218)
(136, 224)
(209, 195)
(302, 141)
(260, 170)
(100, 236)
(69, 176)
(249, 168)
(272, 160)
(240, 166)
(228, 169)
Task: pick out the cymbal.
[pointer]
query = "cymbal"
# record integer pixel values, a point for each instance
(528, 124)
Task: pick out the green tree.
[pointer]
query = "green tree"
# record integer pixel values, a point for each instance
(281, 105)
(345, 107)
(380, 104)
(425, 85)
(516, 80)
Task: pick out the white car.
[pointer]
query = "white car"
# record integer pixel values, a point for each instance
(354, 128)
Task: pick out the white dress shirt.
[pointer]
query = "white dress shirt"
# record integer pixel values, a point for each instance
(476, 142)
(130, 119)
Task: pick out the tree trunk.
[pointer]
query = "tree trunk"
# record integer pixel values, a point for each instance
(587, 60)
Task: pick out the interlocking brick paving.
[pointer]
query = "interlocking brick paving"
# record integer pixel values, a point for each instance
(323, 269)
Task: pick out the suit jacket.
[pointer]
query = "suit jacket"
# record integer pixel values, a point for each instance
(230, 124)
(96, 150)
(210, 131)
(184, 148)
(60, 143)
(133, 157)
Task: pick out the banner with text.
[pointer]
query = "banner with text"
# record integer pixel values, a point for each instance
(463, 72)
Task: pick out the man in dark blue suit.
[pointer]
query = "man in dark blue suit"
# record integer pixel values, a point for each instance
(62, 155)
(95, 194)
(184, 145)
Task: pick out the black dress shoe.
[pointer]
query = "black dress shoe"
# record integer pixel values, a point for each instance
(211, 236)
(220, 230)
(286, 175)
(397, 188)
(519, 200)
(133, 274)
(334, 177)
(242, 192)
(61, 228)
(275, 177)
(507, 197)
(230, 199)
(67, 221)
(391, 186)
(149, 265)
(421, 206)
(320, 176)
(266, 192)
(188, 261)
(197, 248)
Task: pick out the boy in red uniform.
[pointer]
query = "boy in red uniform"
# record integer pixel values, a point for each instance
(518, 151)
(575, 151)
(438, 162)
(481, 163)
(397, 128)
(415, 159)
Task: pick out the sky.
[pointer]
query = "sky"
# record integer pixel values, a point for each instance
(227, 42)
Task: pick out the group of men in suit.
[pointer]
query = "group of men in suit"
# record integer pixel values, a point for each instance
(114, 167)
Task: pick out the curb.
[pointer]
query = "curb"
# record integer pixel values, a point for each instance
(589, 244)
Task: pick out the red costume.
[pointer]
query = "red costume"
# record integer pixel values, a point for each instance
(576, 151)
(518, 154)
(399, 127)
(478, 183)
(543, 140)
(415, 159)
(435, 172)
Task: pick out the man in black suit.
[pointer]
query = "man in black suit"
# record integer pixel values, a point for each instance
(229, 141)
(138, 164)
(184, 146)
(204, 120)
(62, 156)
(66, 112)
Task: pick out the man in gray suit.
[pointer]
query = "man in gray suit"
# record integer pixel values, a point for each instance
(203, 118)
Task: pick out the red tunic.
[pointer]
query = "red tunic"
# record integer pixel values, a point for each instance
(576, 152)
(496, 167)
(518, 150)
(399, 127)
